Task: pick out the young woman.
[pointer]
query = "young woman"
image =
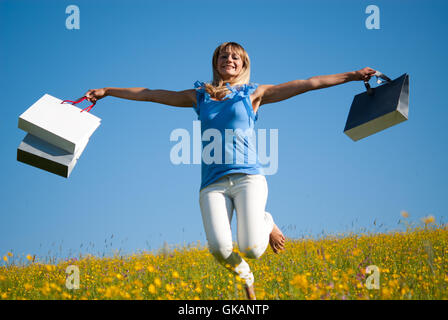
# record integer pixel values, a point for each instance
(231, 102)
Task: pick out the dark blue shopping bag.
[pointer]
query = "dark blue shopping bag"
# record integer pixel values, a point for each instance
(378, 108)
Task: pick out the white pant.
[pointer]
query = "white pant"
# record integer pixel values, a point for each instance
(247, 194)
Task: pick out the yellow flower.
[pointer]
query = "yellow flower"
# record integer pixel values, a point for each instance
(169, 287)
(386, 293)
(50, 267)
(27, 286)
(150, 268)
(404, 214)
(10, 254)
(152, 289)
(428, 219)
(66, 295)
(175, 274)
(300, 281)
(119, 276)
(111, 292)
(157, 282)
(29, 257)
(138, 283)
(55, 287)
(45, 289)
(5, 258)
(108, 280)
(138, 266)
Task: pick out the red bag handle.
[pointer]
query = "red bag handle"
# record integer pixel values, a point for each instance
(78, 101)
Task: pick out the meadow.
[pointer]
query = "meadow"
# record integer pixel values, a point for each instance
(411, 264)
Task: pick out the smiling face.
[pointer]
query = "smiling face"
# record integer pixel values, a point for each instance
(229, 64)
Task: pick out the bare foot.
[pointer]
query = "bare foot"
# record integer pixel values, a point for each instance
(250, 292)
(277, 240)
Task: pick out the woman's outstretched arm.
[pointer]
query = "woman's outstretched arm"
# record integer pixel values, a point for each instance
(185, 98)
(283, 91)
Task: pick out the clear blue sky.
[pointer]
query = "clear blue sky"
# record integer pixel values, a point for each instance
(124, 186)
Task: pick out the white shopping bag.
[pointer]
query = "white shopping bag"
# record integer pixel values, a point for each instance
(60, 124)
(41, 154)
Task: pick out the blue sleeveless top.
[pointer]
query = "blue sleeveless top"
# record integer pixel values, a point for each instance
(228, 133)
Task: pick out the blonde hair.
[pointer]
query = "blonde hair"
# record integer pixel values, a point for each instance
(218, 89)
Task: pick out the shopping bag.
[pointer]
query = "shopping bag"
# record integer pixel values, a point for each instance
(378, 108)
(41, 154)
(58, 123)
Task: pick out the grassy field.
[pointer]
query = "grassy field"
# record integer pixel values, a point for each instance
(412, 264)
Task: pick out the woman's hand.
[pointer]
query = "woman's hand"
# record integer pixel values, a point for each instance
(94, 95)
(364, 74)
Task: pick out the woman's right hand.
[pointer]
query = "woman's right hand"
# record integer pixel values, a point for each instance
(93, 95)
(364, 74)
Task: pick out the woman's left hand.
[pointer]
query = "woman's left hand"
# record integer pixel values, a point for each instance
(364, 74)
